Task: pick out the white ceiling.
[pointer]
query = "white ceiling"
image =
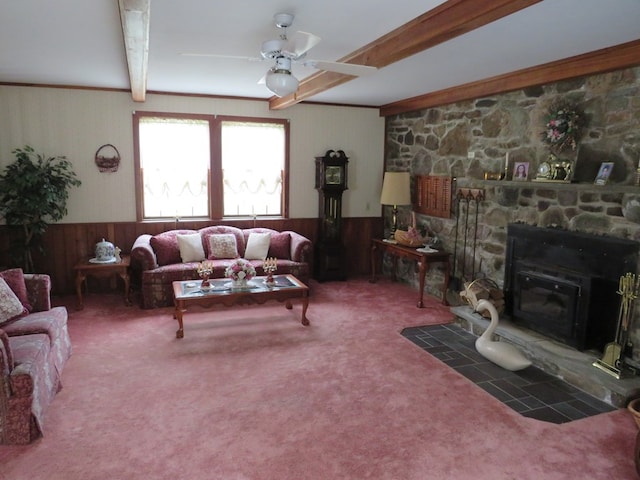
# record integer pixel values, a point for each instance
(79, 43)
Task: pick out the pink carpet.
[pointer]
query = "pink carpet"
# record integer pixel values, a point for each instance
(249, 393)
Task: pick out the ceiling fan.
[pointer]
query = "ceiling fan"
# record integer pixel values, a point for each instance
(285, 51)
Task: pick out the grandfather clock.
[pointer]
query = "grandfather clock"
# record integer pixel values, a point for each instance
(331, 182)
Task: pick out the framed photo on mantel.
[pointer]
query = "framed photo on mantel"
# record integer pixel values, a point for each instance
(520, 171)
(603, 174)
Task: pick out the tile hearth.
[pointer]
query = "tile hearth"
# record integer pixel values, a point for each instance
(530, 392)
(559, 360)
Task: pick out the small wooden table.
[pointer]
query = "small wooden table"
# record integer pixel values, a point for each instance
(86, 269)
(423, 260)
(190, 293)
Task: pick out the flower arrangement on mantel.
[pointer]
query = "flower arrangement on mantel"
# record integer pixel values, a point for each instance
(239, 270)
(563, 127)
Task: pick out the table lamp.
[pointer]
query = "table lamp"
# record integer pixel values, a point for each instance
(396, 190)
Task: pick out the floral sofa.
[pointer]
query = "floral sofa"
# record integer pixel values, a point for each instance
(159, 260)
(34, 348)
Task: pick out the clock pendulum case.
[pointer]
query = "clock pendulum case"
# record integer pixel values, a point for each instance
(331, 182)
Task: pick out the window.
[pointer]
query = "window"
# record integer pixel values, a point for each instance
(203, 166)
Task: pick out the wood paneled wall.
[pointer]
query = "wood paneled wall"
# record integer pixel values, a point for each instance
(67, 244)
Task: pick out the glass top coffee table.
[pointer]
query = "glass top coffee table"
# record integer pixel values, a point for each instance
(187, 294)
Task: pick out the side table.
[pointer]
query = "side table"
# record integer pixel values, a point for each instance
(86, 269)
(423, 260)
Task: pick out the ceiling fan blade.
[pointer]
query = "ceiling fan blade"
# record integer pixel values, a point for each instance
(263, 80)
(338, 67)
(299, 44)
(215, 55)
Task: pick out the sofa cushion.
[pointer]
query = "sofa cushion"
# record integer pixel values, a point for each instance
(222, 245)
(10, 306)
(280, 245)
(190, 246)
(165, 246)
(15, 279)
(257, 246)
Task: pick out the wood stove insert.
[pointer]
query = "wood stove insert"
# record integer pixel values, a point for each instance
(563, 284)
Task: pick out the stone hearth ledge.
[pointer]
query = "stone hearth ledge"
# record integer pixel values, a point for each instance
(554, 358)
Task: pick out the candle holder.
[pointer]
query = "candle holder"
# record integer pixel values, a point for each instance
(269, 266)
(205, 270)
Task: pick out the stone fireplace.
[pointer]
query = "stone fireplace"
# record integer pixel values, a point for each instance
(563, 284)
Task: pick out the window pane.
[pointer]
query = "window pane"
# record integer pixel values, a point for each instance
(175, 159)
(253, 157)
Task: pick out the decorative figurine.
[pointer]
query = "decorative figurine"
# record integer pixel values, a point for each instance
(205, 269)
(117, 251)
(269, 266)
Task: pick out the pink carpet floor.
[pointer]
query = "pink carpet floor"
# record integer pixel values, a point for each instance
(250, 393)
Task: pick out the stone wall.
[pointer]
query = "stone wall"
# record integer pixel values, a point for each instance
(467, 139)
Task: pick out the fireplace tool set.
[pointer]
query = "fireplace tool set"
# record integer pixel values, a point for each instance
(612, 360)
(470, 199)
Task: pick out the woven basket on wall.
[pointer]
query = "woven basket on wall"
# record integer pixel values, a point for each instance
(108, 158)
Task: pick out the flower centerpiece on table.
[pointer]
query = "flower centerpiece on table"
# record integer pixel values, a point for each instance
(240, 270)
(562, 127)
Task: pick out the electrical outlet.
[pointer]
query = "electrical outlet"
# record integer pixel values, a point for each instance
(471, 155)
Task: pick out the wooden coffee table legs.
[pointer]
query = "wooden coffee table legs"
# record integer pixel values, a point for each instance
(305, 305)
(180, 310)
(178, 316)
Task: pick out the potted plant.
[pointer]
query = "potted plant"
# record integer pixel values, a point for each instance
(33, 193)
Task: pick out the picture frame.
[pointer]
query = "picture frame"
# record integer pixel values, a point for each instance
(521, 171)
(603, 173)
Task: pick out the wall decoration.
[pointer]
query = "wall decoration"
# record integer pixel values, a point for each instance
(563, 127)
(107, 158)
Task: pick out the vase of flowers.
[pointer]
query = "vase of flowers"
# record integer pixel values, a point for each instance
(240, 271)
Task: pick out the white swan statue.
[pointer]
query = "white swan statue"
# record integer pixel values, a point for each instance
(501, 353)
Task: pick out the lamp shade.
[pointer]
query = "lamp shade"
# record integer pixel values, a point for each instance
(396, 189)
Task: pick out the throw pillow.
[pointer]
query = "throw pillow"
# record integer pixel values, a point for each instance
(10, 306)
(257, 246)
(191, 249)
(280, 245)
(223, 245)
(15, 279)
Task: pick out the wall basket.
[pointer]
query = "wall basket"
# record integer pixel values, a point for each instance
(108, 158)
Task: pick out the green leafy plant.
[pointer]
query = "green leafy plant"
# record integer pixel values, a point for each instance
(33, 193)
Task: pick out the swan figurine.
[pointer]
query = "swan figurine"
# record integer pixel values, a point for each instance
(501, 353)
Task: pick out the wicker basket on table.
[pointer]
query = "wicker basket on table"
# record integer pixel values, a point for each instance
(404, 238)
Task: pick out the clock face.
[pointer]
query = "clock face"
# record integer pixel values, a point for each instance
(544, 170)
(333, 175)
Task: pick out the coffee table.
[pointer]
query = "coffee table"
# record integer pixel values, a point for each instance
(188, 294)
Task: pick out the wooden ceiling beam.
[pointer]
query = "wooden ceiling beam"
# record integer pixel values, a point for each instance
(134, 17)
(448, 20)
(600, 61)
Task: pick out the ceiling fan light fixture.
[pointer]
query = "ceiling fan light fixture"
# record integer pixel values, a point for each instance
(281, 82)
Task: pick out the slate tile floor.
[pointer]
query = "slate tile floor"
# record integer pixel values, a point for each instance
(530, 392)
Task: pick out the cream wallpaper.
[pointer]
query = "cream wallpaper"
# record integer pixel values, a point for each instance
(75, 123)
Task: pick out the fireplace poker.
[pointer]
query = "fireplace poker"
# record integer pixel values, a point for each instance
(455, 281)
(466, 233)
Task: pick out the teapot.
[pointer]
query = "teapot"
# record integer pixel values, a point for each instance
(105, 251)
